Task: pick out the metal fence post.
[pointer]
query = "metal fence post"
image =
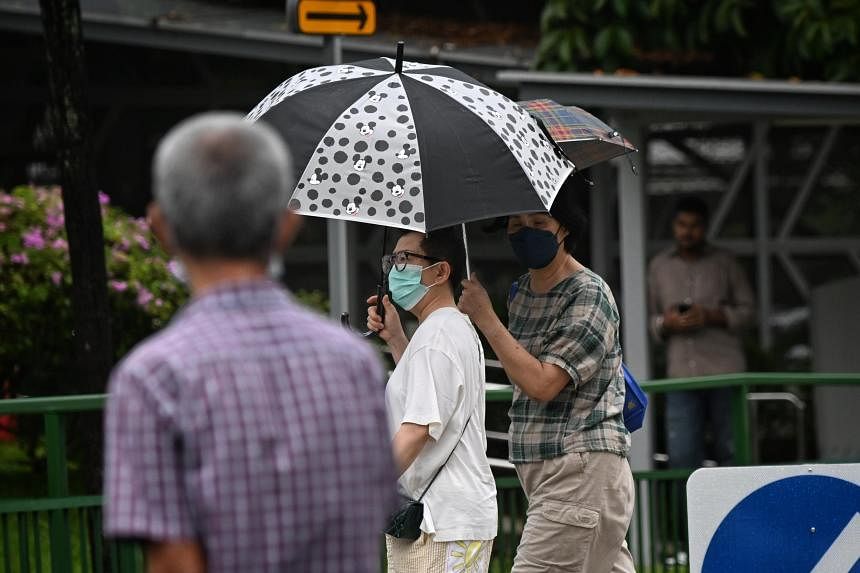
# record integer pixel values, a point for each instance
(741, 425)
(58, 486)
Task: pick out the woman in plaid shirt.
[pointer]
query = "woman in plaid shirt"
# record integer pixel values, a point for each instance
(562, 353)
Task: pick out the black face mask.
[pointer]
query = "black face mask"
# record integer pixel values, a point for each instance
(535, 248)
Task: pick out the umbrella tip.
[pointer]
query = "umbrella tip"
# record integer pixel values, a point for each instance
(398, 65)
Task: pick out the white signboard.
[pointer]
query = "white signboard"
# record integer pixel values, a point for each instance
(779, 518)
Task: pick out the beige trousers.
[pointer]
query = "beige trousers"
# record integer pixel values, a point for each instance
(580, 506)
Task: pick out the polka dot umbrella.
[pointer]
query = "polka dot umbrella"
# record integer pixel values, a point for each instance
(409, 145)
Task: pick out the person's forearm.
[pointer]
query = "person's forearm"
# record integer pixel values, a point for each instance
(407, 444)
(524, 370)
(175, 557)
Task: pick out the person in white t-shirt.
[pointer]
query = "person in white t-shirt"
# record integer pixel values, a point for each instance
(435, 402)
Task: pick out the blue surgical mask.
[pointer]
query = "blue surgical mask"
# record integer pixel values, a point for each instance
(535, 248)
(405, 286)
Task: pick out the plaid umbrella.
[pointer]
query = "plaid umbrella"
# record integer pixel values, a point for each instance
(584, 139)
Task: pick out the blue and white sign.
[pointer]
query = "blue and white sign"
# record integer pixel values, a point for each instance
(776, 518)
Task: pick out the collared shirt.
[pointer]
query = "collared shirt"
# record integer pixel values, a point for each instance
(714, 280)
(257, 428)
(575, 327)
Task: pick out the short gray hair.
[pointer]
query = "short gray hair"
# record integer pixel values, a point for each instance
(222, 183)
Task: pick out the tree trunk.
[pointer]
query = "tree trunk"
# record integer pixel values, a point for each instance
(61, 20)
(69, 115)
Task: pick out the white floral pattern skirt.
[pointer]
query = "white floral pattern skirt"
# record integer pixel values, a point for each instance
(427, 556)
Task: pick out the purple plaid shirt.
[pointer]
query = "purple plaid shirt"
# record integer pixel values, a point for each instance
(257, 428)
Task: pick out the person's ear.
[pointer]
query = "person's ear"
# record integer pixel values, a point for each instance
(562, 233)
(289, 225)
(443, 272)
(160, 228)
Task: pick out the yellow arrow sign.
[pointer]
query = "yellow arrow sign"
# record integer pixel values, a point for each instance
(336, 17)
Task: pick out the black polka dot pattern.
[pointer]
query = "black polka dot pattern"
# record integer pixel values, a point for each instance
(373, 172)
(536, 155)
(367, 166)
(308, 79)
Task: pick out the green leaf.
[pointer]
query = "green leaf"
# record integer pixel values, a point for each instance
(582, 47)
(602, 42)
(738, 23)
(565, 50)
(620, 7)
(625, 41)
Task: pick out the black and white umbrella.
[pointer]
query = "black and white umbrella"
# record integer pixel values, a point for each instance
(410, 145)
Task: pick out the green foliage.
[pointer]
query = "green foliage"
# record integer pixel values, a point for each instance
(812, 39)
(35, 286)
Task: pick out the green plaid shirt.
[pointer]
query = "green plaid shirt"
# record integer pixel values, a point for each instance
(574, 326)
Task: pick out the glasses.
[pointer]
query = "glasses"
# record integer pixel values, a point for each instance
(400, 259)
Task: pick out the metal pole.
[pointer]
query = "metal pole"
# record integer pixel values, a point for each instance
(632, 206)
(601, 219)
(340, 278)
(762, 233)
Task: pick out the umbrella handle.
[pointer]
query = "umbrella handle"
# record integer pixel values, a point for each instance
(380, 310)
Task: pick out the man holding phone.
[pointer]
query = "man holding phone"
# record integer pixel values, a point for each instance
(699, 303)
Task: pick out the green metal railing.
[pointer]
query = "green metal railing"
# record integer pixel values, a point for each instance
(61, 533)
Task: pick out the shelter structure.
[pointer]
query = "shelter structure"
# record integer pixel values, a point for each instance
(777, 160)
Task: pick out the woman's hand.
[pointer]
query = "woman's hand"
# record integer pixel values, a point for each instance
(475, 302)
(388, 328)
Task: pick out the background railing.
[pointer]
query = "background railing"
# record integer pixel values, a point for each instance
(61, 533)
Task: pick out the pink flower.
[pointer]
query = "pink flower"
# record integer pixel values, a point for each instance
(159, 302)
(60, 245)
(33, 239)
(2, 227)
(20, 258)
(142, 242)
(118, 286)
(55, 220)
(124, 245)
(6, 199)
(142, 224)
(56, 277)
(143, 297)
(103, 198)
(5, 211)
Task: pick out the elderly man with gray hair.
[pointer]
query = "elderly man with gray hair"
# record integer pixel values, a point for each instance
(250, 434)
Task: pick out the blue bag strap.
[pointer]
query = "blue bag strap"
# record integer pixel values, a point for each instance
(512, 292)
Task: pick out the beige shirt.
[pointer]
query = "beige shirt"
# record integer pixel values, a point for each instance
(715, 280)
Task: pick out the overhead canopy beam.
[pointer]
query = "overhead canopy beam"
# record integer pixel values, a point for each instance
(733, 97)
(256, 44)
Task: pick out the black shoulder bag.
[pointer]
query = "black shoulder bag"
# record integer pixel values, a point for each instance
(405, 523)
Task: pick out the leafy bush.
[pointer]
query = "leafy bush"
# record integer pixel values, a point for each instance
(35, 287)
(811, 39)
(36, 350)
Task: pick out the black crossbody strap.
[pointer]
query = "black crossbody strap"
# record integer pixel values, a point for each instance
(457, 443)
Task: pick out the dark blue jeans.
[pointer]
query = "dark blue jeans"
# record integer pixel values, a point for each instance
(692, 415)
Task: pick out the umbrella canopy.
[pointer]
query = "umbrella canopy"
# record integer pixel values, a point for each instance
(410, 145)
(584, 139)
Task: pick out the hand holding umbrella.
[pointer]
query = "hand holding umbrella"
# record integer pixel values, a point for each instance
(475, 303)
(387, 326)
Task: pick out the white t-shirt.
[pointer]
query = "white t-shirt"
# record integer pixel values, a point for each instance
(439, 382)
